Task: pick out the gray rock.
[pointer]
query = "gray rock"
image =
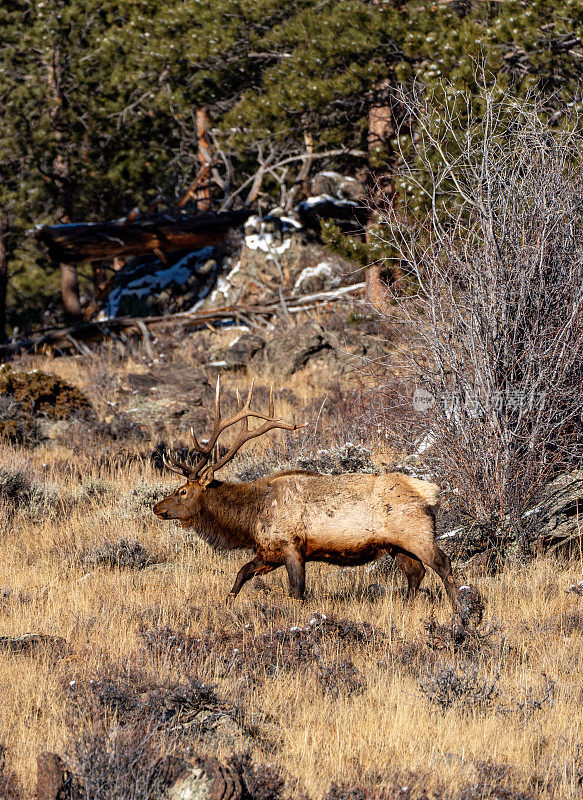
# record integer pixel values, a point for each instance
(196, 785)
(287, 352)
(212, 781)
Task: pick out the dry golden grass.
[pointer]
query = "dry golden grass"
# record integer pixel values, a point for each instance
(391, 729)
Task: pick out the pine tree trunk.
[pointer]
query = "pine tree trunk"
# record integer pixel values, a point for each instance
(3, 273)
(70, 292)
(203, 195)
(381, 128)
(69, 281)
(62, 180)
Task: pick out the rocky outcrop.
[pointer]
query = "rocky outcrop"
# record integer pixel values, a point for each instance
(559, 514)
(554, 524)
(334, 347)
(289, 352)
(279, 257)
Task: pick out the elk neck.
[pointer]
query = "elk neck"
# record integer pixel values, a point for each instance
(227, 514)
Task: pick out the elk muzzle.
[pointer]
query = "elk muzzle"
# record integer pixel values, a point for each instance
(161, 510)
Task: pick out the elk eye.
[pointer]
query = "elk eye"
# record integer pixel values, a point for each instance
(183, 492)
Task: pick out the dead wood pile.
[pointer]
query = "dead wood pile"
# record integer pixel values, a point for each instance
(77, 337)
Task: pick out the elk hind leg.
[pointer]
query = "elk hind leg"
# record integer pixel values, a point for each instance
(413, 570)
(255, 567)
(296, 571)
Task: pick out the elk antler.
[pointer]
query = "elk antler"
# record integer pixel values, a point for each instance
(219, 425)
(177, 466)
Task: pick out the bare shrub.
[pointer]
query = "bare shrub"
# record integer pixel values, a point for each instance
(448, 685)
(341, 679)
(123, 763)
(34, 500)
(492, 329)
(125, 554)
(262, 656)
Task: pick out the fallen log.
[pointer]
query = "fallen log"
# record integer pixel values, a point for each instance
(156, 233)
(76, 337)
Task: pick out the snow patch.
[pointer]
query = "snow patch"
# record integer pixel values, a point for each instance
(222, 287)
(267, 242)
(425, 443)
(320, 199)
(291, 223)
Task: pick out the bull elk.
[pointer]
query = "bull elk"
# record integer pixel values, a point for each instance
(296, 516)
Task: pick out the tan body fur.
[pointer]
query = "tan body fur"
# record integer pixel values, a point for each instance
(293, 517)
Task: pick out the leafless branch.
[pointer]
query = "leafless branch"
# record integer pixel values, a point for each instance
(493, 327)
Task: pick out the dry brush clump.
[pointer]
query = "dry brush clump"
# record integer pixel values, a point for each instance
(254, 657)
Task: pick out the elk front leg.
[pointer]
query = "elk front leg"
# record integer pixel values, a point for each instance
(435, 558)
(248, 571)
(296, 572)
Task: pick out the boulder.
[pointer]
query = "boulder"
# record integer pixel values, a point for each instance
(212, 781)
(53, 779)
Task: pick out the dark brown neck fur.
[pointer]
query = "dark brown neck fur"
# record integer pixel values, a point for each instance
(227, 514)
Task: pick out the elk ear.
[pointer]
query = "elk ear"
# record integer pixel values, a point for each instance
(206, 476)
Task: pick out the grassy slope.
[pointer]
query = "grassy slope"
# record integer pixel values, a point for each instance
(51, 584)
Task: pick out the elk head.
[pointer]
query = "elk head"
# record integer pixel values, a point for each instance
(184, 503)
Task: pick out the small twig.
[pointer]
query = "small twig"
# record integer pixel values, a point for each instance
(146, 337)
